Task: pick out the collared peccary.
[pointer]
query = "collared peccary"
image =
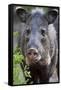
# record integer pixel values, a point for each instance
(39, 43)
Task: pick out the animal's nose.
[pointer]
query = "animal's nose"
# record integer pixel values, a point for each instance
(32, 52)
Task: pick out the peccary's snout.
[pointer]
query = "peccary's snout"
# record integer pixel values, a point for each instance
(33, 53)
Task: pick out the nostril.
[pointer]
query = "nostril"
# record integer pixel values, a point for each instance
(32, 52)
(35, 53)
(29, 53)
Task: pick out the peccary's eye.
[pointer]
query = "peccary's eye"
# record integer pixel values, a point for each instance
(43, 32)
(28, 31)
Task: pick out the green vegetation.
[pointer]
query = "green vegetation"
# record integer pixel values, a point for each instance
(21, 73)
(16, 33)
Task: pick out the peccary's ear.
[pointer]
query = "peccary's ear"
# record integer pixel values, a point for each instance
(51, 16)
(22, 13)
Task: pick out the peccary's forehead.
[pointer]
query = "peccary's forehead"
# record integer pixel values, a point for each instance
(37, 20)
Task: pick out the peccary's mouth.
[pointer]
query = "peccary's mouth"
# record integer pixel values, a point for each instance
(43, 62)
(37, 61)
(33, 57)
